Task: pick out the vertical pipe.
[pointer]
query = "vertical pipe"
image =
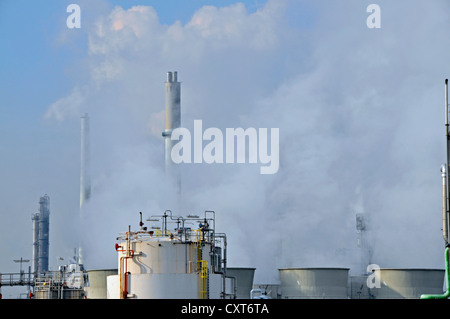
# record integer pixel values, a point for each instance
(224, 264)
(445, 217)
(447, 162)
(444, 203)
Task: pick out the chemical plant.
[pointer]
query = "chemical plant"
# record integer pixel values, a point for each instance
(169, 256)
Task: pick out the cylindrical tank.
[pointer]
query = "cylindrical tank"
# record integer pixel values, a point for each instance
(163, 255)
(164, 286)
(314, 283)
(244, 280)
(408, 283)
(97, 283)
(164, 267)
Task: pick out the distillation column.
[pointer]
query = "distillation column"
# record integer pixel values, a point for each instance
(41, 227)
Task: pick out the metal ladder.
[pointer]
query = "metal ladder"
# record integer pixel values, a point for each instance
(202, 268)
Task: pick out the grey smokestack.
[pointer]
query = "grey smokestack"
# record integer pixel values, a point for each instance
(85, 179)
(85, 183)
(173, 120)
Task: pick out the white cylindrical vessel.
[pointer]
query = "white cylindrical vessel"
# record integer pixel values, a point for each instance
(314, 283)
(183, 264)
(156, 255)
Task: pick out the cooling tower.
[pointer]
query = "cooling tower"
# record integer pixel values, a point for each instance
(97, 283)
(244, 280)
(314, 283)
(408, 283)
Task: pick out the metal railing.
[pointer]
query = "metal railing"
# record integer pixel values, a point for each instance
(16, 279)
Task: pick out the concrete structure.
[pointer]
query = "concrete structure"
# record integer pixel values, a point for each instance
(408, 283)
(314, 283)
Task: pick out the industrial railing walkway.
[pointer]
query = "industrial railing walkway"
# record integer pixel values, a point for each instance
(16, 279)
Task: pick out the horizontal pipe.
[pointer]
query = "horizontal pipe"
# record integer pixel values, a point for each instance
(446, 295)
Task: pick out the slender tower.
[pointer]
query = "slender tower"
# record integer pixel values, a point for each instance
(85, 183)
(41, 231)
(173, 120)
(85, 180)
(35, 260)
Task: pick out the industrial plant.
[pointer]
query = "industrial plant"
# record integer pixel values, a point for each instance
(172, 256)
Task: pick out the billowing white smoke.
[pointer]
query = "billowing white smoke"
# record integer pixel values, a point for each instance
(359, 113)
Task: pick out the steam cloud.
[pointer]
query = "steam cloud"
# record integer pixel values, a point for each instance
(359, 111)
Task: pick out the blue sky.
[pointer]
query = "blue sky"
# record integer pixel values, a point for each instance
(353, 105)
(28, 30)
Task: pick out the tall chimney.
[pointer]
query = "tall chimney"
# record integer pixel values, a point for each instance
(85, 179)
(173, 120)
(85, 183)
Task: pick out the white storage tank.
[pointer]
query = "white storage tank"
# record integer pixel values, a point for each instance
(162, 264)
(314, 283)
(397, 283)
